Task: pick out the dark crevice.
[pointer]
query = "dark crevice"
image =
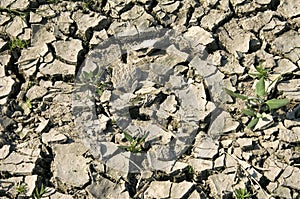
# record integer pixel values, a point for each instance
(274, 5)
(189, 15)
(126, 8)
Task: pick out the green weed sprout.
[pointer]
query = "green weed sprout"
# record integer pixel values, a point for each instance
(135, 145)
(39, 192)
(258, 104)
(242, 193)
(89, 79)
(21, 188)
(18, 44)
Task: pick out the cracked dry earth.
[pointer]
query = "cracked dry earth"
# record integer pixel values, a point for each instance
(43, 141)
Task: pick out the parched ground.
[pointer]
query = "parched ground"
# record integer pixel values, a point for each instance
(45, 154)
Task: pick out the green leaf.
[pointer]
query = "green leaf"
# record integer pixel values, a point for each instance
(260, 87)
(235, 95)
(252, 123)
(262, 71)
(144, 137)
(248, 112)
(28, 103)
(128, 137)
(276, 103)
(124, 147)
(85, 74)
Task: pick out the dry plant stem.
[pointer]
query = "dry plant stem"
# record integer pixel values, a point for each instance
(249, 175)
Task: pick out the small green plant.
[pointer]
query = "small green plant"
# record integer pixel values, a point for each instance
(113, 122)
(242, 193)
(90, 80)
(53, 1)
(18, 44)
(14, 12)
(100, 89)
(135, 144)
(260, 103)
(260, 72)
(28, 103)
(39, 192)
(21, 188)
(190, 169)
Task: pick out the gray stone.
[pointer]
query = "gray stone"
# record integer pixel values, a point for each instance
(178, 166)
(134, 13)
(68, 50)
(6, 87)
(274, 168)
(199, 36)
(293, 180)
(42, 125)
(105, 97)
(243, 7)
(20, 5)
(232, 66)
(236, 39)
(244, 143)
(193, 101)
(158, 189)
(220, 184)
(169, 7)
(201, 165)
(86, 21)
(4, 18)
(170, 104)
(26, 35)
(8, 185)
(196, 195)
(271, 147)
(287, 135)
(23, 160)
(31, 54)
(35, 17)
(213, 79)
(289, 8)
(36, 92)
(289, 123)
(285, 66)
(2, 43)
(219, 162)
(42, 34)
(16, 27)
(58, 68)
(46, 11)
(272, 186)
(58, 195)
(283, 192)
(98, 36)
(288, 49)
(107, 189)
(290, 89)
(179, 190)
(64, 21)
(214, 18)
(264, 122)
(205, 148)
(30, 181)
(70, 168)
(229, 123)
(271, 29)
(257, 22)
(4, 60)
(4, 151)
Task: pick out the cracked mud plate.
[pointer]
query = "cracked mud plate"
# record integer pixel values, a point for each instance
(144, 84)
